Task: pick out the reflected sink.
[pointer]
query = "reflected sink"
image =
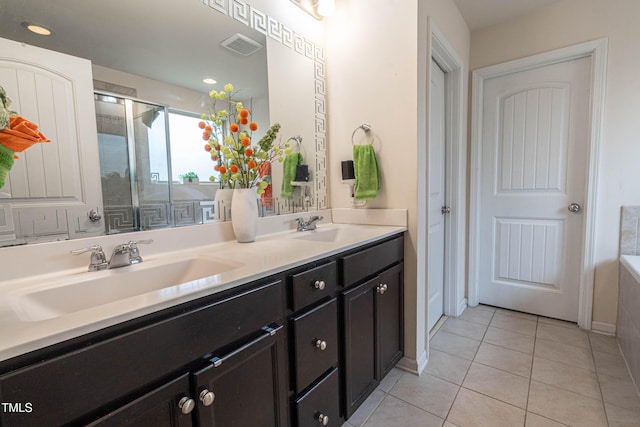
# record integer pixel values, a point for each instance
(98, 288)
(320, 235)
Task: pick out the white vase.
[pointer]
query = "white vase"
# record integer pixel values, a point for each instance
(244, 215)
(223, 203)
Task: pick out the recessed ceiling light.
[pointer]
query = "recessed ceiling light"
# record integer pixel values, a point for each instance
(38, 29)
(209, 81)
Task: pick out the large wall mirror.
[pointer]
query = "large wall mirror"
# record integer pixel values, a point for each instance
(147, 65)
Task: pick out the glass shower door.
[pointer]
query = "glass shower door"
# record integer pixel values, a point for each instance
(134, 165)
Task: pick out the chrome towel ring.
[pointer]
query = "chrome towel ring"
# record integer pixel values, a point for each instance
(365, 128)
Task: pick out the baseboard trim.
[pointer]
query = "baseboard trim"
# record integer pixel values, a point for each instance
(413, 366)
(603, 328)
(461, 306)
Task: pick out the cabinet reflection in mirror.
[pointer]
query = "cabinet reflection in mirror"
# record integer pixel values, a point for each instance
(116, 103)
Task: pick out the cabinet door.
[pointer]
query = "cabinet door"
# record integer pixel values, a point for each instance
(389, 320)
(164, 406)
(359, 344)
(245, 387)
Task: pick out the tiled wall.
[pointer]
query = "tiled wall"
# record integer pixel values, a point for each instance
(628, 322)
(630, 231)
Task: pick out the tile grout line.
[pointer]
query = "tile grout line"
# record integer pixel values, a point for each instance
(535, 341)
(595, 366)
(467, 372)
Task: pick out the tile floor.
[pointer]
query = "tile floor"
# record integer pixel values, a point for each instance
(494, 367)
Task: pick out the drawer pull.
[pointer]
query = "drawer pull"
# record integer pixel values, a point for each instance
(381, 288)
(319, 284)
(323, 419)
(207, 397)
(186, 404)
(322, 345)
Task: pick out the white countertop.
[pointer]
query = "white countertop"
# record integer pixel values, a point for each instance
(269, 254)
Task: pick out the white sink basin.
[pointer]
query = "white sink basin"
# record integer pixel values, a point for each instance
(320, 235)
(92, 289)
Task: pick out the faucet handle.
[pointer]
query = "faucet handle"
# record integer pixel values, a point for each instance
(134, 253)
(98, 258)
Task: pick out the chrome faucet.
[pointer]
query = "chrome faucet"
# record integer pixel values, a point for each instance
(126, 254)
(98, 258)
(310, 224)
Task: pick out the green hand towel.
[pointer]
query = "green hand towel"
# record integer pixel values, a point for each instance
(290, 162)
(365, 167)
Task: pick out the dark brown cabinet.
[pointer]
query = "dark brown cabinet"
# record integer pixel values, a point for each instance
(302, 347)
(372, 316)
(166, 406)
(246, 387)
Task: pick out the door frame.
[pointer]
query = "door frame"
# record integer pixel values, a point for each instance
(455, 175)
(597, 51)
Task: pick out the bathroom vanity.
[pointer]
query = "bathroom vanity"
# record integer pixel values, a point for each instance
(302, 345)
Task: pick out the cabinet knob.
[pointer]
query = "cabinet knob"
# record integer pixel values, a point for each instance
(186, 404)
(323, 419)
(322, 345)
(207, 397)
(319, 284)
(381, 288)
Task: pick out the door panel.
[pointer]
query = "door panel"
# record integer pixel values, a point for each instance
(437, 198)
(534, 162)
(53, 185)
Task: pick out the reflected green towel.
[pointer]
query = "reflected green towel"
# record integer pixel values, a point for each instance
(289, 173)
(365, 167)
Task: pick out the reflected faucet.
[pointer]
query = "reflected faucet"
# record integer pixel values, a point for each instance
(308, 225)
(127, 254)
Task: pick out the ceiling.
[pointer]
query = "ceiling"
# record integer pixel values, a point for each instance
(483, 13)
(176, 42)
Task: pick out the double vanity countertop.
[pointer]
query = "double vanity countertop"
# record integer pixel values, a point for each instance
(46, 309)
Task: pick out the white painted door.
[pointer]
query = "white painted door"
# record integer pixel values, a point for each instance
(435, 264)
(54, 185)
(534, 165)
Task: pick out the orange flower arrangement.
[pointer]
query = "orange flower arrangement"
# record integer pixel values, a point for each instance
(238, 159)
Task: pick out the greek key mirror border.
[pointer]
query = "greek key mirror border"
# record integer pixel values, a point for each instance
(259, 21)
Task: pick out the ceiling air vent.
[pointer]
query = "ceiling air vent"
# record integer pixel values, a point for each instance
(242, 45)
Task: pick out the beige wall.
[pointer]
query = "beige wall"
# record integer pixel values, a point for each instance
(563, 24)
(372, 78)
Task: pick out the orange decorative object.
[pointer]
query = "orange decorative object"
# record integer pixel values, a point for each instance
(234, 127)
(253, 126)
(244, 113)
(202, 125)
(21, 134)
(248, 152)
(233, 168)
(246, 142)
(251, 164)
(223, 169)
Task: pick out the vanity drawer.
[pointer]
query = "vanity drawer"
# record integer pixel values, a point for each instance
(315, 336)
(360, 265)
(321, 400)
(312, 285)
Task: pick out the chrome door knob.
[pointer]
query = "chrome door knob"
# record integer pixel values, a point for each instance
(323, 419)
(574, 207)
(320, 285)
(207, 397)
(322, 345)
(186, 405)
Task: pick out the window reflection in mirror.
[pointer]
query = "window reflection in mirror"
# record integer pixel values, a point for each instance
(187, 147)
